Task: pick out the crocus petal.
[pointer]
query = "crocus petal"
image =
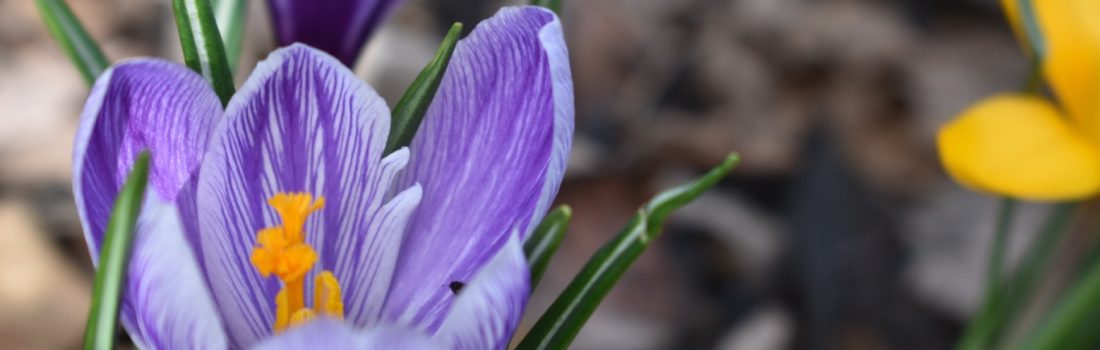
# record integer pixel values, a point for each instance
(557, 56)
(488, 309)
(329, 334)
(489, 155)
(1021, 147)
(302, 122)
(140, 104)
(1072, 64)
(166, 304)
(339, 27)
(369, 265)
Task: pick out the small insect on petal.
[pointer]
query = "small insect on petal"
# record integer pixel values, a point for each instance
(456, 287)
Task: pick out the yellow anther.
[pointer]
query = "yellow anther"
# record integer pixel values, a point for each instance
(294, 208)
(301, 317)
(282, 250)
(276, 256)
(326, 296)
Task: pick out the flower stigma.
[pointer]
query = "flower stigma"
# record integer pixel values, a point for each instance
(282, 251)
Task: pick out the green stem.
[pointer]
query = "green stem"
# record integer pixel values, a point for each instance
(978, 335)
(1081, 303)
(1000, 242)
(985, 329)
(1092, 257)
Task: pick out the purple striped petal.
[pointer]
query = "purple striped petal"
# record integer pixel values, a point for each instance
(171, 111)
(166, 304)
(490, 156)
(329, 334)
(487, 311)
(339, 27)
(140, 104)
(302, 122)
(371, 259)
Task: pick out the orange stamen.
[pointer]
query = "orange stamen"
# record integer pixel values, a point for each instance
(282, 251)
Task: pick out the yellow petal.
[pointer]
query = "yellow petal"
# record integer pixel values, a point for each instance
(1012, 13)
(1071, 30)
(1019, 146)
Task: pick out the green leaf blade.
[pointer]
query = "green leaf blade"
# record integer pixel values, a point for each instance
(552, 5)
(410, 110)
(115, 258)
(1069, 315)
(230, 16)
(545, 240)
(203, 50)
(980, 332)
(561, 323)
(74, 39)
(670, 200)
(998, 312)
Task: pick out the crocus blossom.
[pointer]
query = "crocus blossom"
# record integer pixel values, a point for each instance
(278, 222)
(339, 27)
(1027, 146)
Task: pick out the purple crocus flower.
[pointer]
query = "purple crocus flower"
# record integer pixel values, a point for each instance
(339, 27)
(278, 222)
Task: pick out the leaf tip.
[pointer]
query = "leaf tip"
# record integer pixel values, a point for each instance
(141, 163)
(732, 160)
(566, 211)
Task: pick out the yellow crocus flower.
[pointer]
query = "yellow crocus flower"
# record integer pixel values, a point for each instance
(1027, 146)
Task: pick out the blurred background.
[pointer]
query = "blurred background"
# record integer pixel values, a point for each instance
(838, 231)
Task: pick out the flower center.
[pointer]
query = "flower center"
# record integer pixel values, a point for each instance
(282, 250)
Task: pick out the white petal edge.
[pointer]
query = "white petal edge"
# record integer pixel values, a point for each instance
(553, 41)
